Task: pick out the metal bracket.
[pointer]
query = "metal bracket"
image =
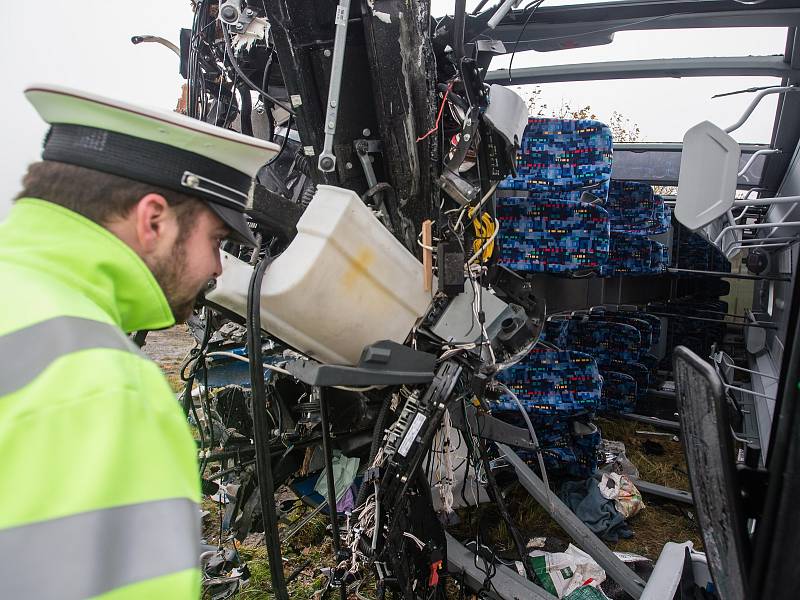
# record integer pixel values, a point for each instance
(327, 159)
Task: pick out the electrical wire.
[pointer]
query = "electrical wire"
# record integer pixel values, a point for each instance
(245, 78)
(283, 142)
(532, 6)
(532, 433)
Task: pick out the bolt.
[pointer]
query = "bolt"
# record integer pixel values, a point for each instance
(249, 12)
(228, 13)
(348, 165)
(260, 110)
(326, 53)
(366, 133)
(331, 124)
(333, 103)
(404, 479)
(326, 162)
(192, 181)
(467, 137)
(239, 26)
(371, 158)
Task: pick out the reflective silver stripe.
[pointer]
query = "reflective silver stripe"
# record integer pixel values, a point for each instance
(92, 553)
(28, 351)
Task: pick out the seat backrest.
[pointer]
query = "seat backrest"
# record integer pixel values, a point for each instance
(562, 158)
(619, 393)
(604, 341)
(552, 382)
(554, 236)
(628, 255)
(632, 207)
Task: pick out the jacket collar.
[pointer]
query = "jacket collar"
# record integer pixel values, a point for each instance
(54, 240)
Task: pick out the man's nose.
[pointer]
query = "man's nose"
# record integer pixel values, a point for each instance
(218, 265)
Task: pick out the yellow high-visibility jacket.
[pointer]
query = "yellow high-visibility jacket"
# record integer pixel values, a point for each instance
(98, 473)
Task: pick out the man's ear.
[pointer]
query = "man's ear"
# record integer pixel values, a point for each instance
(152, 216)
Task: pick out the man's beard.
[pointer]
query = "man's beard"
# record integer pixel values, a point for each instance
(168, 272)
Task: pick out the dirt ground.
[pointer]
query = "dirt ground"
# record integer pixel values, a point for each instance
(657, 524)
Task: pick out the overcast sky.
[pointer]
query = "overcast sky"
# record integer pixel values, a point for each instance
(87, 45)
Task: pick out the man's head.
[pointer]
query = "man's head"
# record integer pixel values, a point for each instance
(169, 186)
(176, 235)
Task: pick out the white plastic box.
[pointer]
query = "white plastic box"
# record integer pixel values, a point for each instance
(343, 283)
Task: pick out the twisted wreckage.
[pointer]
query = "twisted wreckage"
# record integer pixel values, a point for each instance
(447, 292)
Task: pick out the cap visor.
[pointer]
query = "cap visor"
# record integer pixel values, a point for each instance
(240, 231)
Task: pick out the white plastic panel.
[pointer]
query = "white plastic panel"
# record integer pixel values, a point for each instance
(343, 283)
(707, 183)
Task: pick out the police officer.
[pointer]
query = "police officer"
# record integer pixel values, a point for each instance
(116, 230)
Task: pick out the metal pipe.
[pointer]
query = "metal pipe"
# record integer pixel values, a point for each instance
(754, 226)
(767, 201)
(327, 454)
(717, 321)
(753, 157)
(756, 100)
(724, 275)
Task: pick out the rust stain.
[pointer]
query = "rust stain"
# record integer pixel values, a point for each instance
(359, 267)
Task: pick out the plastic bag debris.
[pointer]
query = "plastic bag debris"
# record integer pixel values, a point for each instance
(619, 488)
(616, 460)
(561, 573)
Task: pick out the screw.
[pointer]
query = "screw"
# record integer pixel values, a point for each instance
(260, 110)
(326, 162)
(348, 165)
(404, 479)
(326, 53)
(467, 137)
(228, 13)
(249, 12)
(366, 133)
(331, 124)
(333, 103)
(239, 26)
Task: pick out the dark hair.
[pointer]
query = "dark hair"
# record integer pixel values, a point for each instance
(98, 196)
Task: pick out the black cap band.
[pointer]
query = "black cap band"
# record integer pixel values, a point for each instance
(149, 162)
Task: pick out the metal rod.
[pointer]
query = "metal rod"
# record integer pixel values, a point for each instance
(754, 103)
(767, 201)
(724, 275)
(655, 421)
(297, 526)
(717, 321)
(327, 453)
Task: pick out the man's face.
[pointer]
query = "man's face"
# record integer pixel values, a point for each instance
(190, 259)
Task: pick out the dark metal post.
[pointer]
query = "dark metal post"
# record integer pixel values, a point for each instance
(327, 453)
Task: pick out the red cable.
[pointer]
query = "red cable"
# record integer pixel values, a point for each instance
(438, 116)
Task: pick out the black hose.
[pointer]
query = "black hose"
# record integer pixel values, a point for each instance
(283, 143)
(266, 485)
(245, 109)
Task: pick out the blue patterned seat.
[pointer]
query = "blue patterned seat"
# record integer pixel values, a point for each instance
(634, 255)
(548, 228)
(559, 159)
(643, 326)
(637, 370)
(553, 236)
(605, 341)
(552, 383)
(619, 393)
(631, 207)
(663, 216)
